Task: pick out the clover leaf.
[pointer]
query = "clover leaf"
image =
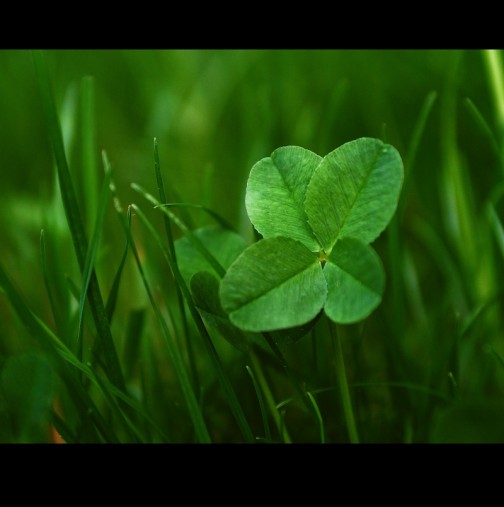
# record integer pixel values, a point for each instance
(317, 217)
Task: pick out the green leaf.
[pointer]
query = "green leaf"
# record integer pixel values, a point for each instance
(355, 281)
(205, 291)
(354, 192)
(276, 283)
(276, 192)
(223, 244)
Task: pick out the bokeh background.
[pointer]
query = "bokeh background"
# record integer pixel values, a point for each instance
(216, 112)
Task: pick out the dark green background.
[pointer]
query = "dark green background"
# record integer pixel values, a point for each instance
(216, 112)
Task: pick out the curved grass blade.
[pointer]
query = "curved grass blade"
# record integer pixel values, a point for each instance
(272, 406)
(114, 291)
(112, 299)
(194, 239)
(174, 353)
(301, 390)
(484, 126)
(62, 353)
(134, 435)
(75, 221)
(59, 352)
(496, 226)
(173, 254)
(62, 428)
(418, 131)
(91, 253)
(223, 378)
(319, 416)
(66, 358)
(262, 408)
(185, 205)
(414, 144)
(495, 71)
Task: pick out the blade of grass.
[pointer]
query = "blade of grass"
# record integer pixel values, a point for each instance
(463, 223)
(196, 242)
(418, 131)
(134, 436)
(413, 146)
(496, 226)
(495, 71)
(283, 431)
(396, 246)
(319, 416)
(290, 374)
(58, 351)
(89, 150)
(185, 205)
(173, 255)
(484, 126)
(272, 406)
(125, 222)
(93, 249)
(75, 221)
(493, 63)
(110, 389)
(114, 291)
(175, 356)
(477, 313)
(442, 256)
(57, 348)
(401, 385)
(262, 408)
(223, 378)
(497, 356)
(61, 427)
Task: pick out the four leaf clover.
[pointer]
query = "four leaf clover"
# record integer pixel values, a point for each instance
(317, 217)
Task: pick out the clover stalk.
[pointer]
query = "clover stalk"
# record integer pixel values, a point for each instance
(343, 385)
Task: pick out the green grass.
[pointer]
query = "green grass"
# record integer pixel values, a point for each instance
(100, 339)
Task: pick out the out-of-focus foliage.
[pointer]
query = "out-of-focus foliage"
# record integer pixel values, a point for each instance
(214, 114)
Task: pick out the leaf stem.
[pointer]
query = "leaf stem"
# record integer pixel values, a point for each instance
(343, 385)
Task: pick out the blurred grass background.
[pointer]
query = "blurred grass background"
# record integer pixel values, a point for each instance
(214, 114)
